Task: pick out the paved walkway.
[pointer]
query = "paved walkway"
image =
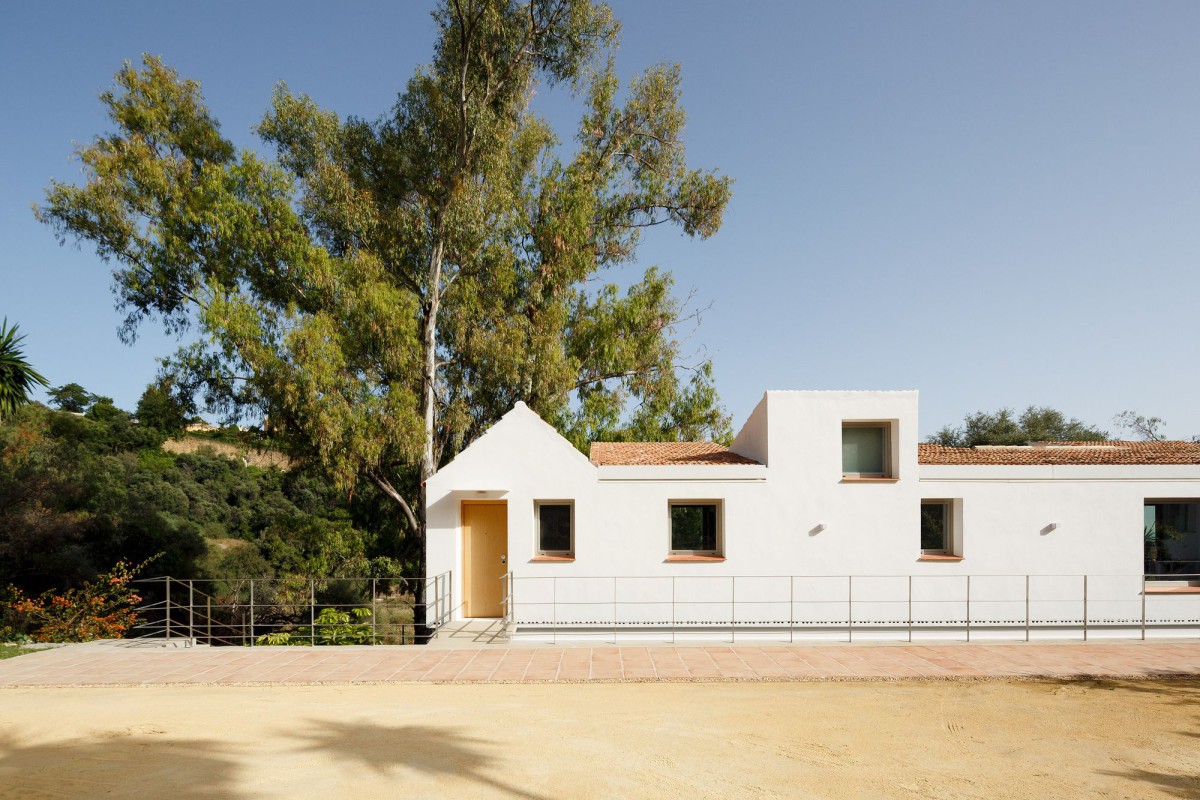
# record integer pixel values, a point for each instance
(109, 664)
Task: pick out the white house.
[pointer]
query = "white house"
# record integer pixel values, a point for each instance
(825, 519)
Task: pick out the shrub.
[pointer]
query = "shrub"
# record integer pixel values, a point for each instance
(99, 609)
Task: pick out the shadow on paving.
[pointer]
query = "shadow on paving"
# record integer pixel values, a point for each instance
(86, 768)
(420, 748)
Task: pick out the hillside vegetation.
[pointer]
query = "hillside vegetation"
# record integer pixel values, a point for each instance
(79, 493)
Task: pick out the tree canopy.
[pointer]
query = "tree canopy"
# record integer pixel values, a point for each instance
(1005, 427)
(1142, 427)
(385, 289)
(17, 376)
(71, 397)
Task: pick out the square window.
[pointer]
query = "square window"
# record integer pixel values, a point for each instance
(696, 527)
(866, 450)
(937, 527)
(555, 528)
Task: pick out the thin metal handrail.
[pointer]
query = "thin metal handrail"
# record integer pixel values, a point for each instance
(980, 605)
(235, 619)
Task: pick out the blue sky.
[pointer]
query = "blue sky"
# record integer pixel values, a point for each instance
(993, 203)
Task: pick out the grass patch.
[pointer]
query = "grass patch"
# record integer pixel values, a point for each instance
(12, 650)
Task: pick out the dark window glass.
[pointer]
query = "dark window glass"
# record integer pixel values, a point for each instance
(694, 527)
(554, 528)
(935, 520)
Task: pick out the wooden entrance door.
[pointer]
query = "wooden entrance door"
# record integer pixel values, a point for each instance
(485, 557)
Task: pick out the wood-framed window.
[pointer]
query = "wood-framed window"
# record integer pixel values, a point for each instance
(937, 527)
(867, 450)
(554, 521)
(697, 527)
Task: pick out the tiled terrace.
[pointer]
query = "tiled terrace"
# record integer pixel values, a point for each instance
(108, 664)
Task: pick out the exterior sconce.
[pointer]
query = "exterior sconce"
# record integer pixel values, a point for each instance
(820, 526)
(1053, 526)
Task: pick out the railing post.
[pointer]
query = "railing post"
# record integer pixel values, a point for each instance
(614, 625)
(208, 618)
(554, 609)
(672, 609)
(312, 612)
(1027, 608)
(191, 612)
(1143, 606)
(1085, 608)
(374, 618)
(168, 607)
(252, 612)
(910, 620)
(733, 609)
(791, 609)
(849, 608)
(968, 608)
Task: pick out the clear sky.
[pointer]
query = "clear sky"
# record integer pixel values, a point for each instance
(993, 203)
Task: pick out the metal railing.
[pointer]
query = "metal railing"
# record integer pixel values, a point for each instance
(1171, 568)
(851, 607)
(294, 611)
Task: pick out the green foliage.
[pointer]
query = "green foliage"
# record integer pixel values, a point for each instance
(71, 397)
(385, 290)
(17, 377)
(333, 627)
(80, 493)
(163, 410)
(1004, 427)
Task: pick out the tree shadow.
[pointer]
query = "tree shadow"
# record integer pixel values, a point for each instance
(132, 763)
(1176, 692)
(1187, 786)
(421, 748)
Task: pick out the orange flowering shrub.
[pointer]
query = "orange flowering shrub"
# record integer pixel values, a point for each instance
(100, 609)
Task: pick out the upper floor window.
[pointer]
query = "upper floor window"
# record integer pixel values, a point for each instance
(866, 450)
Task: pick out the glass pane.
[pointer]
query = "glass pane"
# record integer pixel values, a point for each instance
(694, 527)
(933, 526)
(862, 450)
(554, 526)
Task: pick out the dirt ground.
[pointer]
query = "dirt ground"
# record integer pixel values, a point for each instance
(987, 739)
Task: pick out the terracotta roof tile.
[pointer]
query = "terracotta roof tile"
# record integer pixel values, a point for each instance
(1063, 453)
(613, 454)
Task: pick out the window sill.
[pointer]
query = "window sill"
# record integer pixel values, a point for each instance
(551, 559)
(870, 480)
(1173, 590)
(937, 557)
(693, 559)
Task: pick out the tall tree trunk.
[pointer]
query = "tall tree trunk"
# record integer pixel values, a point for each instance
(424, 632)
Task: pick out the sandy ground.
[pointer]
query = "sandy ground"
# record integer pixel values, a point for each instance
(987, 739)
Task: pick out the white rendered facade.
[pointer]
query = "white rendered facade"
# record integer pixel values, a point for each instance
(801, 547)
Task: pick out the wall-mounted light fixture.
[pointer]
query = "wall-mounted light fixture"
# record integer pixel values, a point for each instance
(1053, 526)
(820, 526)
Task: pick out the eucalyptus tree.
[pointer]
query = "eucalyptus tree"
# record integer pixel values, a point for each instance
(385, 289)
(17, 376)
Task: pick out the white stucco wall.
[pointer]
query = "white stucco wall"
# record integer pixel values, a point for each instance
(796, 516)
